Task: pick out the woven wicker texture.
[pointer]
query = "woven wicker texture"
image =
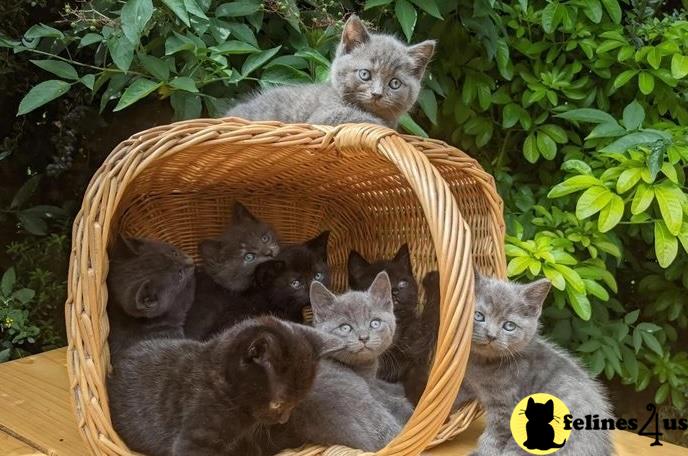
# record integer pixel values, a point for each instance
(373, 188)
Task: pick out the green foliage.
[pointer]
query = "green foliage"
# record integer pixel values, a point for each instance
(15, 327)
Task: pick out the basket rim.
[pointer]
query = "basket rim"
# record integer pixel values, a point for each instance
(413, 156)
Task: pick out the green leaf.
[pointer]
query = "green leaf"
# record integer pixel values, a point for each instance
(428, 103)
(593, 9)
(546, 145)
(5, 355)
(41, 94)
(193, 8)
(580, 304)
(518, 265)
(587, 115)
(410, 125)
(644, 195)
(135, 15)
(254, 61)
(313, 56)
(630, 362)
(178, 8)
(607, 130)
(238, 9)
(158, 68)
(632, 317)
(139, 89)
(530, 149)
(42, 31)
(121, 51)
(429, 6)
(592, 201)
(623, 78)
(184, 83)
(511, 114)
(32, 223)
(186, 105)
(679, 66)
(652, 343)
(573, 279)
(670, 200)
(613, 9)
(25, 192)
(57, 67)
(89, 39)
(571, 185)
(662, 393)
(631, 140)
(504, 64)
(9, 278)
(232, 47)
(555, 132)
(611, 214)
(406, 15)
(646, 83)
(88, 80)
(283, 74)
(375, 3)
(589, 346)
(555, 277)
(633, 116)
(576, 166)
(666, 244)
(25, 295)
(627, 179)
(549, 17)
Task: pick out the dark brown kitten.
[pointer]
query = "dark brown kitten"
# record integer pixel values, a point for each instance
(280, 288)
(228, 266)
(151, 287)
(188, 398)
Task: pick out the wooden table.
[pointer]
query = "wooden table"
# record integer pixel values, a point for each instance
(36, 416)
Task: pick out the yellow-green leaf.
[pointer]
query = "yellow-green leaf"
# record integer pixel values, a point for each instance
(670, 200)
(611, 214)
(646, 83)
(666, 244)
(679, 66)
(592, 201)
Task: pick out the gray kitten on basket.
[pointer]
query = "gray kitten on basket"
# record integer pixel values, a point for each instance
(510, 361)
(374, 78)
(346, 405)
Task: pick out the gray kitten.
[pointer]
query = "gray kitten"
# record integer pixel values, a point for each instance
(510, 361)
(344, 406)
(151, 287)
(374, 78)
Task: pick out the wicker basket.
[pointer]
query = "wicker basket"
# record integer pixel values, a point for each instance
(371, 186)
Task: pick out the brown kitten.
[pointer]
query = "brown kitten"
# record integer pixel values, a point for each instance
(189, 398)
(151, 286)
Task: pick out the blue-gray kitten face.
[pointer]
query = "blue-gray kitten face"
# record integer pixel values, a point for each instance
(377, 72)
(363, 320)
(506, 315)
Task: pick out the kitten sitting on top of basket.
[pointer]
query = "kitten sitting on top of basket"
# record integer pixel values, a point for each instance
(374, 78)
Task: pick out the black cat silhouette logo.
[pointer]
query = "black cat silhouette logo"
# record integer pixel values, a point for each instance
(537, 425)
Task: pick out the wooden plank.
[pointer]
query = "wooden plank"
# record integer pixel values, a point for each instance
(9, 446)
(37, 419)
(36, 404)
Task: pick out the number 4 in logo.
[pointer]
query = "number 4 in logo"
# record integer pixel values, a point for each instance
(653, 414)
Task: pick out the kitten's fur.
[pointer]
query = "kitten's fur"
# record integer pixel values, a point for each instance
(280, 287)
(407, 359)
(187, 398)
(346, 405)
(151, 287)
(347, 96)
(231, 258)
(506, 366)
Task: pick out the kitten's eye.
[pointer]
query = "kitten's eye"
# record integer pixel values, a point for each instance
(249, 257)
(319, 276)
(265, 238)
(402, 284)
(394, 83)
(345, 328)
(364, 75)
(295, 284)
(375, 323)
(509, 326)
(479, 316)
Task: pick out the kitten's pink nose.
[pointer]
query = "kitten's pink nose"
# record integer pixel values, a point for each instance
(364, 338)
(376, 95)
(490, 338)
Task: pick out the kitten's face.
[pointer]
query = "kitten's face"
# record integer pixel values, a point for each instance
(543, 413)
(506, 315)
(378, 73)
(232, 258)
(272, 364)
(404, 286)
(363, 320)
(146, 276)
(289, 276)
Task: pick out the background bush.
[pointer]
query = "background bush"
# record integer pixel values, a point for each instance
(578, 107)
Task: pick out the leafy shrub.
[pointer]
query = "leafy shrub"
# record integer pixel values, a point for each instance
(577, 107)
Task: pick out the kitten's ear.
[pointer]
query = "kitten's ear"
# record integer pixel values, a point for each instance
(354, 34)
(241, 214)
(322, 300)
(266, 272)
(209, 248)
(535, 294)
(129, 246)
(403, 257)
(318, 244)
(381, 292)
(477, 279)
(146, 296)
(421, 54)
(323, 344)
(431, 282)
(355, 265)
(257, 350)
